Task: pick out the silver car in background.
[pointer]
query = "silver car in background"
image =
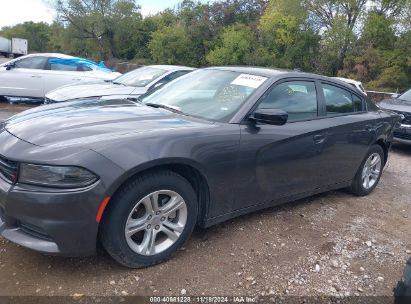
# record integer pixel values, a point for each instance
(130, 85)
(34, 75)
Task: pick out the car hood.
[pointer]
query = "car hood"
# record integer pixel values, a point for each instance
(395, 104)
(84, 123)
(92, 90)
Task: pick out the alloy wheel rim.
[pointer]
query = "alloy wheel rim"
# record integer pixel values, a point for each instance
(371, 171)
(156, 222)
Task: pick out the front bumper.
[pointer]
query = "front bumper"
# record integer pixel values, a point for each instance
(53, 221)
(402, 134)
(58, 223)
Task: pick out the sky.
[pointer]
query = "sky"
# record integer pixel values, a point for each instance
(13, 12)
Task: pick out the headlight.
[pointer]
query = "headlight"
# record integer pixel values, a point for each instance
(55, 176)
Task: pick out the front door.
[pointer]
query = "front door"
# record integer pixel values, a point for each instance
(25, 79)
(280, 161)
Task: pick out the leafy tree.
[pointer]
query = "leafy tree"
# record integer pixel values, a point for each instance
(235, 45)
(95, 19)
(378, 30)
(172, 45)
(36, 33)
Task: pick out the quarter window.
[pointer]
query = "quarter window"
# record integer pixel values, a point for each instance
(340, 101)
(297, 98)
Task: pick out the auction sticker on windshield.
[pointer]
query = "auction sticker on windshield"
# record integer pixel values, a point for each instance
(248, 80)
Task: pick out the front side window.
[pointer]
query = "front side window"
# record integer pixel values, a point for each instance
(297, 98)
(214, 95)
(35, 63)
(340, 101)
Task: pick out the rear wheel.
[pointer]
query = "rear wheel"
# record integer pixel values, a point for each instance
(149, 219)
(369, 173)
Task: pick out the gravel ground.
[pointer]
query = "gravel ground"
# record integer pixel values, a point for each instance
(327, 245)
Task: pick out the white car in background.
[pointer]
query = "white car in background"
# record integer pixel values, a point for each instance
(357, 84)
(32, 76)
(129, 85)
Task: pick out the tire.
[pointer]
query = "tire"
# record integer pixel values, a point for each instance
(402, 292)
(132, 208)
(357, 187)
(3, 99)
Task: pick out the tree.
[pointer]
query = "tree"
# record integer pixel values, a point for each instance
(338, 19)
(236, 43)
(287, 38)
(36, 33)
(172, 45)
(95, 19)
(378, 31)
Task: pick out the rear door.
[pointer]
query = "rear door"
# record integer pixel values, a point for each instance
(281, 161)
(349, 134)
(25, 78)
(60, 74)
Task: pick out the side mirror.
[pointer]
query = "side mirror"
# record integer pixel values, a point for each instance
(10, 66)
(396, 95)
(270, 116)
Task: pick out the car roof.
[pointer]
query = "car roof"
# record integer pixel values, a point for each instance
(281, 73)
(171, 67)
(348, 80)
(57, 55)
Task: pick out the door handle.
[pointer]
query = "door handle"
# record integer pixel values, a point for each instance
(369, 128)
(319, 138)
(35, 76)
(76, 79)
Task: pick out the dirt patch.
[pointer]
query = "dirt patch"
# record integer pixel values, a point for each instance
(7, 110)
(329, 244)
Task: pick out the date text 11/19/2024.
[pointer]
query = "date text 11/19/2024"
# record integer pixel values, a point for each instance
(203, 299)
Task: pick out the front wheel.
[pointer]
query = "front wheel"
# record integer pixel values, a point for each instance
(149, 219)
(369, 173)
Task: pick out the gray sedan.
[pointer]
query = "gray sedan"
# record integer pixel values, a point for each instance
(212, 145)
(401, 105)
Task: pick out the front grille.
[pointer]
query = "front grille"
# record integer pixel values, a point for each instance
(8, 169)
(407, 119)
(402, 135)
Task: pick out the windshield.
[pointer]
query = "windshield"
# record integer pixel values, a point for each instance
(140, 77)
(406, 97)
(210, 94)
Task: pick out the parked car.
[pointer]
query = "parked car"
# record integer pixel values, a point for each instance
(34, 75)
(356, 84)
(212, 145)
(402, 291)
(402, 106)
(130, 85)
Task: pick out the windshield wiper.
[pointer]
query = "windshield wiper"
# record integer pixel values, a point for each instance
(166, 107)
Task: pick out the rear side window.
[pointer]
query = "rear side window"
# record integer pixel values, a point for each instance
(67, 67)
(340, 101)
(297, 98)
(62, 67)
(35, 63)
